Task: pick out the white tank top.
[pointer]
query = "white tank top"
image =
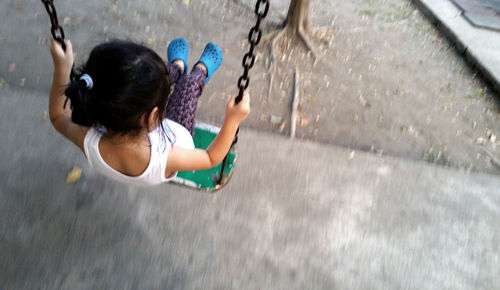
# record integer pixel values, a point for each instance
(160, 147)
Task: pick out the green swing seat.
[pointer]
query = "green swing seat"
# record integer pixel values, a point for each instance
(207, 180)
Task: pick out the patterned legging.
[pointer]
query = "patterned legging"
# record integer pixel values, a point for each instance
(181, 107)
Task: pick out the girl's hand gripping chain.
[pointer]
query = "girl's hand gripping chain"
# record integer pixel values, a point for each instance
(238, 112)
(63, 60)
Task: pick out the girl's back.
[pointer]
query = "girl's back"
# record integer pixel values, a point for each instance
(129, 158)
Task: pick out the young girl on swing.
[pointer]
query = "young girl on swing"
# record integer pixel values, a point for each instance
(116, 109)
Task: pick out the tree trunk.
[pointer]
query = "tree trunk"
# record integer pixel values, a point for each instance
(297, 24)
(298, 16)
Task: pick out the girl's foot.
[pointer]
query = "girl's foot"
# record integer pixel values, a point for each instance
(180, 63)
(177, 52)
(210, 59)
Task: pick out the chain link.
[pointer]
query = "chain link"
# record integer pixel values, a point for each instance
(56, 29)
(266, 8)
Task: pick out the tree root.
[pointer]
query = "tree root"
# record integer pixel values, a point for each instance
(303, 35)
(271, 78)
(493, 159)
(273, 45)
(295, 105)
(271, 61)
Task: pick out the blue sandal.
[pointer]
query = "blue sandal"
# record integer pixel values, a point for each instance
(211, 58)
(178, 49)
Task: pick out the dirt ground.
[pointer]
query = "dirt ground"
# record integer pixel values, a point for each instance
(386, 81)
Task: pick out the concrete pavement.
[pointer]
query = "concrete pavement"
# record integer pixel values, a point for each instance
(480, 46)
(297, 215)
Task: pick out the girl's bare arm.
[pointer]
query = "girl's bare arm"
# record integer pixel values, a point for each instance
(60, 115)
(180, 159)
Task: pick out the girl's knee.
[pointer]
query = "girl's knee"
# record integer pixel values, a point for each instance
(193, 83)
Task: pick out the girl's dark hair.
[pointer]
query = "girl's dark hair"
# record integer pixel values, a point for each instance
(129, 80)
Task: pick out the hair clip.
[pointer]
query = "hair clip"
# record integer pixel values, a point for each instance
(88, 80)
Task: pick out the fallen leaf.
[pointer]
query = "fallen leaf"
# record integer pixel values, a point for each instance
(74, 175)
(185, 2)
(481, 141)
(151, 42)
(44, 116)
(113, 8)
(488, 133)
(362, 100)
(282, 126)
(351, 156)
(67, 20)
(276, 120)
(304, 122)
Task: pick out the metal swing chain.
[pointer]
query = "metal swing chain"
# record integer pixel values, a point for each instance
(56, 28)
(254, 37)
